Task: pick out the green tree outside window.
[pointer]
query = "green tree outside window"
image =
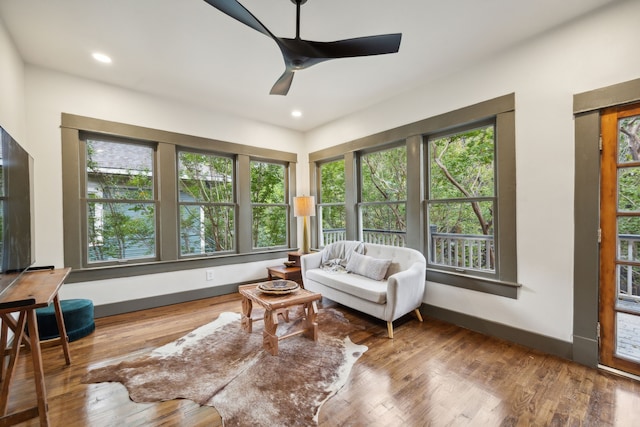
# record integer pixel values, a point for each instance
(269, 208)
(462, 199)
(120, 201)
(383, 196)
(629, 203)
(206, 203)
(331, 202)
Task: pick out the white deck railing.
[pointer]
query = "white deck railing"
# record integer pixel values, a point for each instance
(447, 249)
(476, 252)
(381, 237)
(463, 251)
(332, 236)
(629, 278)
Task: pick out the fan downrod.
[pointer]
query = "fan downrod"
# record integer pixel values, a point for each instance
(298, 1)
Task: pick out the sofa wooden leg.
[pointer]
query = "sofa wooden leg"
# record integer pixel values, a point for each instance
(390, 329)
(418, 314)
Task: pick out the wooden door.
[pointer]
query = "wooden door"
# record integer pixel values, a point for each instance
(620, 239)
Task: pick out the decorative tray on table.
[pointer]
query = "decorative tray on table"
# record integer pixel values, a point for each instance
(278, 287)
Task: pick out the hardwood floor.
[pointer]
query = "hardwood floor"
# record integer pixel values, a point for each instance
(430, 374)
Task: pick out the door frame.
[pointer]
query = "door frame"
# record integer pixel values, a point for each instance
(586, 108)
(609, 214)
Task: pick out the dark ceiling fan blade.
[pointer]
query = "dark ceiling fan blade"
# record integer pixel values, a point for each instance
(299, 54)
(237, 11)
(281, 87)
(361, 46)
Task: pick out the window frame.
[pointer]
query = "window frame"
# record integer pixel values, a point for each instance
(431, 201)
(285, 204)
(233, 203)
(362, 203)
(321, 204)
(500, 109)
(74, 128)
(85, 201)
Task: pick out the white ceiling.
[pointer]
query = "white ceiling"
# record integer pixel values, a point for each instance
(188, 51)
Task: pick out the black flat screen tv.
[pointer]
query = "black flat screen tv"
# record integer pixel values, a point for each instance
(17, 252)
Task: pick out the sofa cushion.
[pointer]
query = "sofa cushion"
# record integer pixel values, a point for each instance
(367, 266)
(401, 258)
(352, 284)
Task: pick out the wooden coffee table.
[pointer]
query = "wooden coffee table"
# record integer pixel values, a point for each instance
(278, 304)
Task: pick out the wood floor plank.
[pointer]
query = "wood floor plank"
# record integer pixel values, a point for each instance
(430, 374)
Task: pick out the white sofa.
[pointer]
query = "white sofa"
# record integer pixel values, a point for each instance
(340, 276)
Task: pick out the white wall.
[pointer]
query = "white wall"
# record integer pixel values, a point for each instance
(12, 107)
(48, 94)
(545, 73)
(596, 51)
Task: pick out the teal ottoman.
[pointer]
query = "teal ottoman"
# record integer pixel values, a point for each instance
(77, 315)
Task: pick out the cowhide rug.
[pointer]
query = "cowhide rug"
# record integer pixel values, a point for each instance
(221, 365)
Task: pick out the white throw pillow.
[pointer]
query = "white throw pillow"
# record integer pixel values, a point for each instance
(367, 266)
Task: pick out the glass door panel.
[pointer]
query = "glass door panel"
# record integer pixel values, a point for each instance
(620, 239)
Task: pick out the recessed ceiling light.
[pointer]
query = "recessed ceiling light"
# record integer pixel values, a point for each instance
(101, 57)
(296, 113)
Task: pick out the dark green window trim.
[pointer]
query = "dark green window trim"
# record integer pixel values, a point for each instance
(474, 283)
(74, 128)
(500, 109)
(131, 270)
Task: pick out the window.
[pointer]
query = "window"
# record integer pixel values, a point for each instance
(383, 195)
(461, 200)
(206, 203)
(470, 218)
(120, 201)
(331, 205)
(268, 205)
(444, 185)
(140, 201)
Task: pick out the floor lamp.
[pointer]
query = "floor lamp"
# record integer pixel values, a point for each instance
(304, 206)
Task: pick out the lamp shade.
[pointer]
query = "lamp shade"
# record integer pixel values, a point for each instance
(304, 206)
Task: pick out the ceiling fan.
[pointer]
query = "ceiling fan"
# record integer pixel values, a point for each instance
(299, 54)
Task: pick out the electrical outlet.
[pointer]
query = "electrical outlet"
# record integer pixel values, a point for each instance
(209, 274)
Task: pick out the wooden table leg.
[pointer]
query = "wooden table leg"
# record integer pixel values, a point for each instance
(269, 337)
(11, 323)
(246, 322)
(64, 339)
(13, 358)
(311, 323)
(38, 370)
(4, 334)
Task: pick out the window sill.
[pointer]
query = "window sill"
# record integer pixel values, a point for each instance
(479, 284)
(130, 270)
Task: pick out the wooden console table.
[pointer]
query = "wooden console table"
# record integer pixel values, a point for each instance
(33, 290)
(284, 272)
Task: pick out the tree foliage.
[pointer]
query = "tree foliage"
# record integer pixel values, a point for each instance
(332, 195)
(629, 201)
(461, 172)
(121, 208)
(384, 179)
(207, 219)
(269, 222)
(629, 153)
(629, 147)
